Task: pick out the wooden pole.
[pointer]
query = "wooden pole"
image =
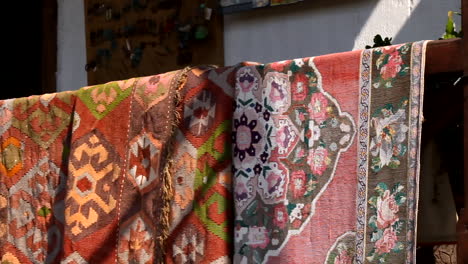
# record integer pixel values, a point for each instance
(462, 232)
(465, 92)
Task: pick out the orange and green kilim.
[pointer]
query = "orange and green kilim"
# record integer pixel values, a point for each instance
(207, 185)
(104, 98)
(81, 173)
(202, 208)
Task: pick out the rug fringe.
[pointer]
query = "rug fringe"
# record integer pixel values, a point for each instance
(167, 188)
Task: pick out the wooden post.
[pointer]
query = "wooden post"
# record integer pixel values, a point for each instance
(462, 232)
(465, 91)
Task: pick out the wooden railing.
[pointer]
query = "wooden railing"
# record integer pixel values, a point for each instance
(452, 56)
(445, 56)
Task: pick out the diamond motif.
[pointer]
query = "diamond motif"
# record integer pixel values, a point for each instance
(145, 153)
(30, 220)
(43, 125)
(199, 113)
(94, 171)
(136, 243)
(12, 152)
(85, 184)
(153, 89)
(189, 246)
(102, 99)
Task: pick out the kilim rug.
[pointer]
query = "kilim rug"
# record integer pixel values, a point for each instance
(326, 157)
(201, 208)
(91, 176)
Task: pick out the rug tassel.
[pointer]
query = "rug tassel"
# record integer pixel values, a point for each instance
(167, 188)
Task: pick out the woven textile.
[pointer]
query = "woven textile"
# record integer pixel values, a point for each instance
(84, 174)
(326, 157)
(201, 208)
(313, 160)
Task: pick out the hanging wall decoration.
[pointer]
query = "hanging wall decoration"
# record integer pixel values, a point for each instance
(128, 38)
(232, 6)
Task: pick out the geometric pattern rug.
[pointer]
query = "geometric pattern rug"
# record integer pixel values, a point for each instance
(312, 160)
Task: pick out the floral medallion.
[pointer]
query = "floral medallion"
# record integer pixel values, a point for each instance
(279, 177)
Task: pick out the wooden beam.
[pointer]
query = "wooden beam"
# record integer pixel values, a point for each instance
(444, 56)
(464, 59)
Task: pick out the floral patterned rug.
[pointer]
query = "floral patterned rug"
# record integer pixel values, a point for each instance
(326, 157)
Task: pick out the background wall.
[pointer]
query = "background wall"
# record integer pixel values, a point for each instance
(316, 27)
(309, 28)
(71, 45)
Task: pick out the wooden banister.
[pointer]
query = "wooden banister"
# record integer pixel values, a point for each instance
(444, 56)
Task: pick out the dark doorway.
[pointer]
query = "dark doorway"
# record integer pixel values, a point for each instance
(30, 49)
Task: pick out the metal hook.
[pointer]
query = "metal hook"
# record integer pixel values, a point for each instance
(460, 79)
